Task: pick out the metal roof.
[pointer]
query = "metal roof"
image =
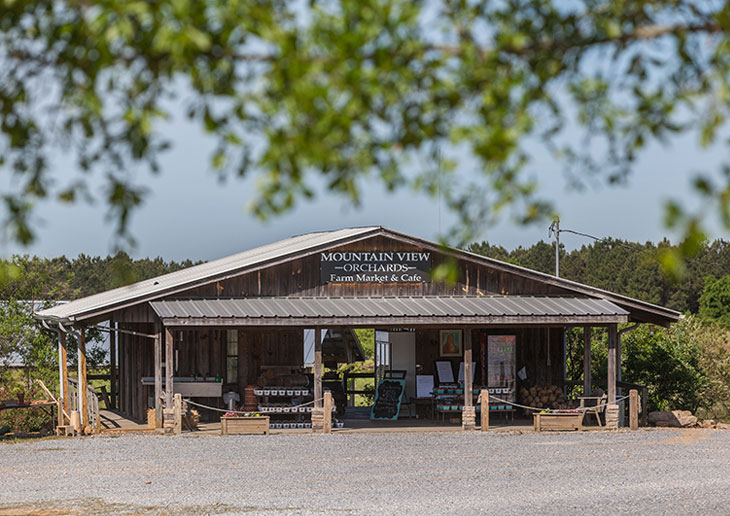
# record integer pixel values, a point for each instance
(202, 273)
(302, 245)
(387, 310)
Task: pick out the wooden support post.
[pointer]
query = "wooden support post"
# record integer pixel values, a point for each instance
(318, 416)
(468, 415)
(169, 369)
(177, 429)
(112, 365)
(587, 388)
(83, 395)
(158, 376)
(612, 364)
(612, 417)
(485, 410)
(644, 401)
(634, 409)
(328, 405)
(60, 422)
(483, 356)
(64, 373)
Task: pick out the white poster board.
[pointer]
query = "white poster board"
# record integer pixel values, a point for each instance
(309, 346)
(445, 373)
(461, 371)
(424, 385)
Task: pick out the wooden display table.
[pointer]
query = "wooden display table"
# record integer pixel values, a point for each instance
(565, 421)
(244, 425)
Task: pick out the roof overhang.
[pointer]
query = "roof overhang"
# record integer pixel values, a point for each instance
(390, 311)
(176, 283)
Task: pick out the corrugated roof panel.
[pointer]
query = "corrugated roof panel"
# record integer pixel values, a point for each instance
(503, 306)
(387, 307)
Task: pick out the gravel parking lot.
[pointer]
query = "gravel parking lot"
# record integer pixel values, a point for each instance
(650, 471)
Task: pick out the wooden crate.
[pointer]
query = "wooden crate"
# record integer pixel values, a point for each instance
(558, 421)
(244, 425)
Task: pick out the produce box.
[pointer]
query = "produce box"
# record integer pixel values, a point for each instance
(244, 425)
(547, 421)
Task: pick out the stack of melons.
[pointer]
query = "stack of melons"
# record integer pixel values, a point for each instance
(541, 396)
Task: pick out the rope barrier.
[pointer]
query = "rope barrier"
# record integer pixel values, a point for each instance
(247, 411)
(538, 409)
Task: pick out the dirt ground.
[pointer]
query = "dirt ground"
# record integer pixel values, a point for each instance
(643, 472)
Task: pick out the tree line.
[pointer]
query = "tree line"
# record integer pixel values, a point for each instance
(61, 278)
(628, 268)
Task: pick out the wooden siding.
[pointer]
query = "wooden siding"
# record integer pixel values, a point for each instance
(136, 359)
(200, 352)
(259, 348)
(301, 277)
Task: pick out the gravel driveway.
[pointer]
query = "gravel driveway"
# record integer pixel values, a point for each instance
(649, 471)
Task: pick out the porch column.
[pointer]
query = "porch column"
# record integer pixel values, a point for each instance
(612, 363)
(63, 372)
(169, 369)
(112, 364)
(468, 415)
(158, 376)
(587, 361)
(318, 410)
(612, 408)
(83, 395)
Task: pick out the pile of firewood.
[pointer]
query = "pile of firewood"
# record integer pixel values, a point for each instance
(550, 396)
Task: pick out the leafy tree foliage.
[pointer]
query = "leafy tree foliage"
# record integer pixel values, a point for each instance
(715, 300)
(52, 279)
(334, 91)
(685, 367)
(627, 268)
(22, 340)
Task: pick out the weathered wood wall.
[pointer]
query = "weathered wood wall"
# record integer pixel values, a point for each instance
(301, 277)
(136, 359)
(200, 352)
(259, 348)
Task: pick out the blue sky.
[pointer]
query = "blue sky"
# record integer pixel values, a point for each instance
(190, 214)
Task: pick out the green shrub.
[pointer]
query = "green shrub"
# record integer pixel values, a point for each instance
(24, 420)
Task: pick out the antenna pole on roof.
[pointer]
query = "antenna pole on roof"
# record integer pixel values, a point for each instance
(555, 229)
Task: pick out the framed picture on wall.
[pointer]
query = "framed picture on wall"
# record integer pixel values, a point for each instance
(450, 344)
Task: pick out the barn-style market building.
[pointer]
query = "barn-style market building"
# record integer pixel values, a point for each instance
(268, 330)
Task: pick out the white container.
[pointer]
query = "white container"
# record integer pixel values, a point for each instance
(290, 393)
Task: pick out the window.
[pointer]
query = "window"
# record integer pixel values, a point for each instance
(231, 356)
